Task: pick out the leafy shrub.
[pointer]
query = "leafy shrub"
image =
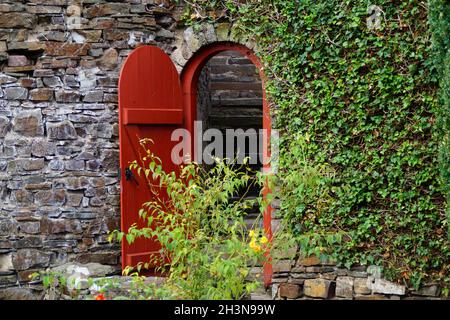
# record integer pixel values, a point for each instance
(206, 248)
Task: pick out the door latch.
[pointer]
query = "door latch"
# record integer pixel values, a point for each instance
(130, 176)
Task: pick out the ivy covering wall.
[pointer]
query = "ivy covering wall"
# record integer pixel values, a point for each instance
(364, 150)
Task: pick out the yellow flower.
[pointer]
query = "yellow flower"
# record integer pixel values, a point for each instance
(254, 246)
(252, 233)
(264, 240)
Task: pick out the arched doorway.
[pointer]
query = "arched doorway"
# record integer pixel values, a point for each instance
(189, 81)
(153, 102)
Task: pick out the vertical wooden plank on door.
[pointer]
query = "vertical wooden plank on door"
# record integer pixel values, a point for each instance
(150, 106)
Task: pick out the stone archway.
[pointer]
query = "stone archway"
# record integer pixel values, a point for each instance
(190, 40)
(193, 51)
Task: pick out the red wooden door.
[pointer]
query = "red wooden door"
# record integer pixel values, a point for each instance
(150, 106)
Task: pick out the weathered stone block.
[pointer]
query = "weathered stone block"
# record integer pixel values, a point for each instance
(56, 165)
(15, 93)
(67, 63)
(109, 60)
(371, 297)
(90, 35)
(344, 287)
(318, 269)
(110, 160)
(17, 69)
(32, 164)
(43, 73)
(74, 165)
(16, 293)
(5, 79)
(6, 264)
(385, 287)
(53, 48)
(209, 32)
(111, 98)
(55, 226)
(304, 275)
(74, 199)
(17, 20)
(61, 131)
(360, 286)
(29, 242)
(318, 288)
(41, 94)
(102, 23)
(428, 291)
(93, 165)
(282, 266)
(104, 130)
(7, 227)
(52, 36)
(107, 81)
(50, 197)
(14, 7)
(67, 96)
(115, 35)
(22, 197)
(29, 123)
(193, 42)
(358, 274)
(77, 274)
(27, 83)
(7, 280)
(290, 290)
(81, 118)
(308, 261)
(4, 126)
(52, 81)
(166, 34)
(44, 9)
(223, 31)
(93, 96)
(67, 244)
(29, 227)
(30, 258)
(106, 9)
(18, 61)
(76, 183)
(42, 148)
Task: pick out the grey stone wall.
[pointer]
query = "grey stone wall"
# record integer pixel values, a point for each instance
(59, 147)
(305, 278)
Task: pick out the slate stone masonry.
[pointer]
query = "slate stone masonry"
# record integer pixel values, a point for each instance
(59, 148)
(308, 278)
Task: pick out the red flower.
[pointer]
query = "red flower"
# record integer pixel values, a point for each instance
(100, 297)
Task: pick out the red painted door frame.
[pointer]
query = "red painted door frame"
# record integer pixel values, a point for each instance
(189, 81)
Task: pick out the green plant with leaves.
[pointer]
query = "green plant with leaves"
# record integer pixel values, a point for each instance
(54, 284)
(368, 99)
(305, 195)
(198, 217)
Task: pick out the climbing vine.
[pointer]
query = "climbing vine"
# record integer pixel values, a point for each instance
(354, 90)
